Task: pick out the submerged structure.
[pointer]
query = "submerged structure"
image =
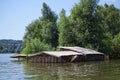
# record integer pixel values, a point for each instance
(66, 54)
(88, 54)
(56, 56)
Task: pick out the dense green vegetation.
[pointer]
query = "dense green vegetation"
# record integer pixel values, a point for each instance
(89, 25)
(11, 46)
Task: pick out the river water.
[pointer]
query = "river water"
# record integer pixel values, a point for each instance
(11, 69)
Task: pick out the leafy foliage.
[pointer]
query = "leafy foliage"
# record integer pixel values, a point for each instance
(86, 24)
(65, 31)
(33, 30)
(116, 46)
(89, 25)
(49, 26)
(34, 46)
(42, 34)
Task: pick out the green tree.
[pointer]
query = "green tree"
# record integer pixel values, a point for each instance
(42, 32)
(33, 30)
(107, 44)
(27, 49)
(34, 46)
(65, 32)
(116, 46)
(48, 14)
(110, 18)
(87, 26)
(50, 34)
(49, 26)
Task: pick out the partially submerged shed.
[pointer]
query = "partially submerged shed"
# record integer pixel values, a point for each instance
(89, 55)
(66, 54)
(56, 56)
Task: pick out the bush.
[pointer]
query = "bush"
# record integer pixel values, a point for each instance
(116, 46)
(34, 46)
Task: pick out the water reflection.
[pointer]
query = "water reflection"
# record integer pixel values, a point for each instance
(11, 69)
(63, 71)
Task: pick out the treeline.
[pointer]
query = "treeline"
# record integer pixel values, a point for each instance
(11, 46)
(88, 25)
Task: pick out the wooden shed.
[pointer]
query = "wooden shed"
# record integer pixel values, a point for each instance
(88, 54)
(56, 57)
(66, 54)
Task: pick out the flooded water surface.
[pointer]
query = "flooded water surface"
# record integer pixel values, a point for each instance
(11, 69)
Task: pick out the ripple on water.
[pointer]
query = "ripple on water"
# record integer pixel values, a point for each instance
(10, 70)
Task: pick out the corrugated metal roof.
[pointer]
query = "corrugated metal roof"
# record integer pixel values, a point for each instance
(71, 51)
(57, 53)
(62, 53)
(82, 50)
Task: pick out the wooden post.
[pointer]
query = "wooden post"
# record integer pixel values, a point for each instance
(18, 59)
(27, 58)
(106, 57)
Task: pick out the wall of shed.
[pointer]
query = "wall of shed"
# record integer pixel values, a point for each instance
(79, 58)
(88, 57)
(44, 59)
(51, 59)
(94, 57)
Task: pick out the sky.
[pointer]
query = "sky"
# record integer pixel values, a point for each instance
(15, 15)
